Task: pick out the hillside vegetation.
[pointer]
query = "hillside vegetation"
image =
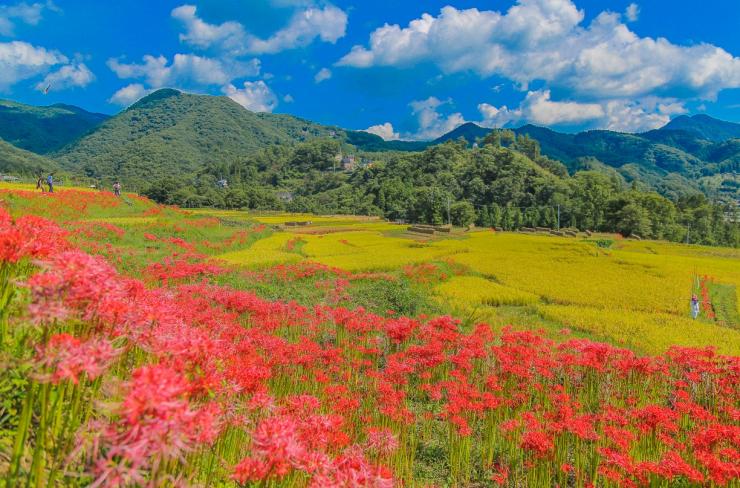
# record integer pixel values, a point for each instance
(43, 130)
(174, 133)
(18, 162)
(510, 186)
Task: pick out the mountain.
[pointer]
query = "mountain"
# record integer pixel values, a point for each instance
(366, 141)
(705, 127)
(613, 148)
(17, 161)
(468, 131)
(171, 133)
(45, 129)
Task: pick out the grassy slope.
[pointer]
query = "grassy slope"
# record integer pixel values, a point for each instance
(19, 162)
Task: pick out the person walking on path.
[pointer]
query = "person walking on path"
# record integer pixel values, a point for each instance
(694, 307)
(40, 183)
(50, 182)
(117, 188)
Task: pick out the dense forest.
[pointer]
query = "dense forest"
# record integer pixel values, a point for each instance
(503, 182)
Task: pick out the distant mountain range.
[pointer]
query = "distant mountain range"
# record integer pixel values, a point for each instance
(174, 133)
(45, 129)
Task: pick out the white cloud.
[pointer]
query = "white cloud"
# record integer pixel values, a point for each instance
(432, 123)
(229, 35)
(632, 12)
(288, 98)
(255, 96)
(328, 24)
(68, 76)
(21, 61)
(546, 40)
(323, 75)
(129, 94)
(28, 13)
(385, 131)
(619, 115)
(623, 116)
(187, 69)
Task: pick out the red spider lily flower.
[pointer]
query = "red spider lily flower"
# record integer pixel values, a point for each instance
(68, 357)
(380, 440)
(538, 442)
(500, 475)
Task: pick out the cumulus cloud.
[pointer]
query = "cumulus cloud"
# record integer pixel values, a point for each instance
(21, 61)
(229, 35)
(385, 131)
(68, 76)
(323, 75)
(619, 115)
(632, 12)
(129, 94)
(185, 69)
(28, 13)
(547, 40)
(539, 108)
(327, 23)
(431, 121)
(255, 96)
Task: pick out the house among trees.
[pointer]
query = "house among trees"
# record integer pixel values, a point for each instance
(285, 196)
(348, 162)
(222, 183)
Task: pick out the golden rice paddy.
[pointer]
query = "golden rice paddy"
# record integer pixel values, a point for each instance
(635, 293)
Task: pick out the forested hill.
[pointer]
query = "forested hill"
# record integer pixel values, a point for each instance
(175, 133)
(44, 129)
(505, 183)
(705, 127)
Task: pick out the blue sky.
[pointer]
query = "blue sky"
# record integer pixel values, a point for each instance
(410, 70)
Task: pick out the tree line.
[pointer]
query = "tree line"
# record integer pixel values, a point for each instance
(505, 182)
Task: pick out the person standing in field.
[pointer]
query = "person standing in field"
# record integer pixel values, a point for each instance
(40, 183)
(117, 188)
(50, 182)
(694, 307)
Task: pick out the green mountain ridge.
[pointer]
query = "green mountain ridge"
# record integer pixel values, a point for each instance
(171, 133)
(705, 127)
(43, 130)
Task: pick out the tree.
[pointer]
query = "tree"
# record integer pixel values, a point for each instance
(633, 219)
(462, 213)
(492, 139)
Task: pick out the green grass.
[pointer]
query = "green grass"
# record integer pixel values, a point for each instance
(724, 302)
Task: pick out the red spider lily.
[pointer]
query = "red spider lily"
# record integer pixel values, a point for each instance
(67, 357)
(29, 237)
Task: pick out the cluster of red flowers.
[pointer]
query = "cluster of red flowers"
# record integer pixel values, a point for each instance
(337, 397)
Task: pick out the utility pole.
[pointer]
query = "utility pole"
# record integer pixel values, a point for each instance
(449, 220)
(558, 216)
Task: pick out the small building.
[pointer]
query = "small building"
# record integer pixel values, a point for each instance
(285, 196)
(349, 162)
(222, 183)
